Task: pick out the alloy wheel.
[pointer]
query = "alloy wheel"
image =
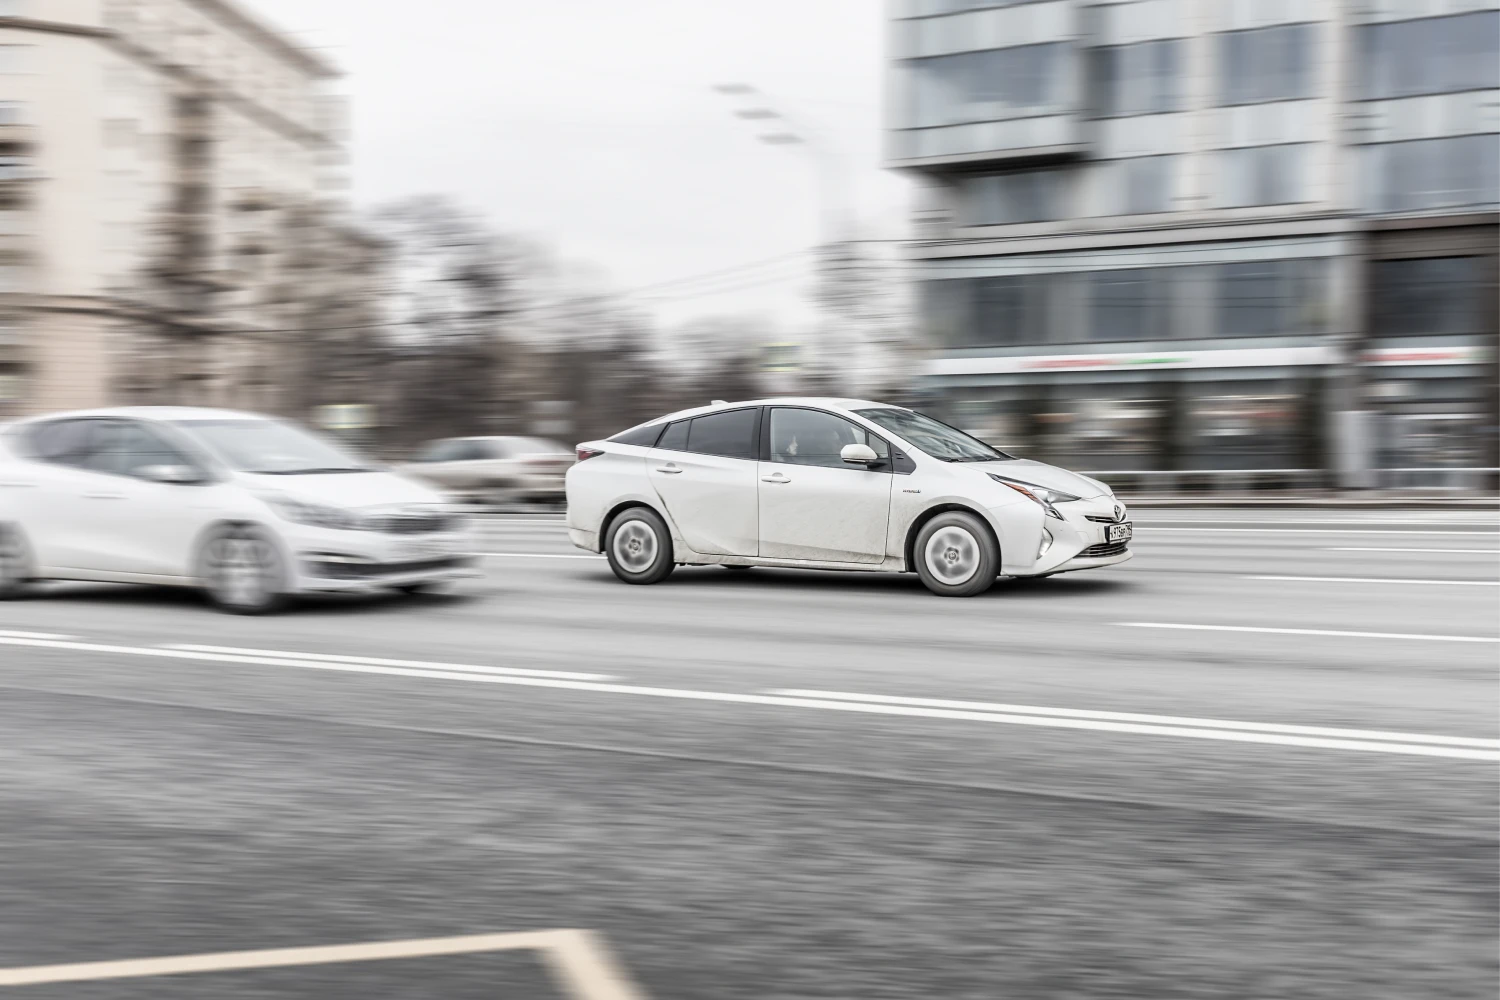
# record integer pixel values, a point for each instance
(635, 546)
(952, 555)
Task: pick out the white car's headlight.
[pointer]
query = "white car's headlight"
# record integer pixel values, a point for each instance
(1040, 495)
(316, 514)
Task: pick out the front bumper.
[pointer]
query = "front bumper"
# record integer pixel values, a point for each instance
(324, 560)
(1080, 543)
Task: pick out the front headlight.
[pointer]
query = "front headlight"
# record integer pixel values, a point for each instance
(316, 514)
(1041, 495)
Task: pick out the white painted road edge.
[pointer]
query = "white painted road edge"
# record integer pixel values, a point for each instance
(1464, 552)
(1314, 631)
(1413, 744)
(580, 962)
(1369, 579)
(1329, 531)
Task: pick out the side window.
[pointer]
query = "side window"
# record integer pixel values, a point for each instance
(127, 448)
(730, 434)
(675, 438)
(642, 436)
(813, 437)
(493, 449)
(62, 442)
(435, 452)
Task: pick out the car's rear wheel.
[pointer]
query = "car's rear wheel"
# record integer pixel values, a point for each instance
(15, 562)
(639, 547)
(956, 555)
(242, 571)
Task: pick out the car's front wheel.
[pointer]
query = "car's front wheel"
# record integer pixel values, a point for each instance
(639, 547)
(15, 562)
(956, 555)
(242, 571)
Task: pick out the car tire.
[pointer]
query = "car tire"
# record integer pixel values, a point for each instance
(242, 571)
(639, 546)
(956, 555)
(15, 563)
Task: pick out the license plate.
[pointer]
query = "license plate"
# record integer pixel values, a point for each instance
(415, 551)
(1119, 532)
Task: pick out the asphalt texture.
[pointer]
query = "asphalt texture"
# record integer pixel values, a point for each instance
(650, 782)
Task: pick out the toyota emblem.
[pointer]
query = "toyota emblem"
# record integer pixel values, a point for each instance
(1119, 512)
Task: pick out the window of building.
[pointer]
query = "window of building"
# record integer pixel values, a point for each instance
(1138, 79)
(1266, 64)
(1423, 295)
(1264, 175)
(1431, 55)
(1137, 185)
(1271, 297)
(1423, 174)
(1006, 199)
(987, 85)
(1130, 304)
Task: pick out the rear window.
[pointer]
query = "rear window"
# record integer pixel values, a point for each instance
(729, 435)
(645, 437)
(675, 438)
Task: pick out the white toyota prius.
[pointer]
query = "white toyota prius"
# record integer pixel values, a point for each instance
(834, 484)
(251, 509)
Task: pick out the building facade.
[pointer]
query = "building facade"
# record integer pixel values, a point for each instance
(1182, 237)
(162, 163)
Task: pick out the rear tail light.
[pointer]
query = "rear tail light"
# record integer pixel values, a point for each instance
(584, 454)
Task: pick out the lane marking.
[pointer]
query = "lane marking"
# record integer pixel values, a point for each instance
(579, 960)
(1333, 531)
(461, 672)
(1163, 720)
(540, 555)
(1371, 579)
(1314, 631)
(1457, 522)
(376, 661)
(1468, 552)
(35, 635)
(1409, 744)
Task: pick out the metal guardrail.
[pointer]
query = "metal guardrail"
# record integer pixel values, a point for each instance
(1188, 481)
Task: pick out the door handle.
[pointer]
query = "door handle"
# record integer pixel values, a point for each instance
(105, 496)
(670, 470)
(778, 478)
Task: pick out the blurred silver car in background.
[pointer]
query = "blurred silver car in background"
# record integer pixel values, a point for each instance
(494, 469)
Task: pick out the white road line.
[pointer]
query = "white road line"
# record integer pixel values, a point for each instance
(539, 555)
(1456, 522)
(1165, 720)
(376, 661)
(1369, 579)
(579, 960)
(35, 635)
(1466, 552)
(1329, 531)
(1408, 743)
(491, 521)
(1313, 631)
(457, 672)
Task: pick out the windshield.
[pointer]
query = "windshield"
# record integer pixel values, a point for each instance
(935, 438)
(269, 448)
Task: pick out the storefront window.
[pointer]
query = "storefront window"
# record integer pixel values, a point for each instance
(1427, 295)
(1249, 431)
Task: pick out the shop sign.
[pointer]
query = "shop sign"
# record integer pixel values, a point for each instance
(1254, 357)
(345, 416)
(1422, 356)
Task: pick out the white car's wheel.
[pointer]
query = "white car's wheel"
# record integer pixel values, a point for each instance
(639, 547)
(956, 555)
(15, 562)
(242, 571)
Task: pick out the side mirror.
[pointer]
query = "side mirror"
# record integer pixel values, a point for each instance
(177, 475)
(858, 454)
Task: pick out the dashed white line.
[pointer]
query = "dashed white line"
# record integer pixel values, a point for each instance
(35, 635)
(1153, 529)
(539, 555)
(376, 661)
(1378, 580)
(1313, 631)
(1401, 743)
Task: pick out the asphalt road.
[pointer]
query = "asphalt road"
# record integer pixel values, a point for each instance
(777, 784)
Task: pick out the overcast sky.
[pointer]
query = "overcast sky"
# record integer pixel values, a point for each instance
(593, 125)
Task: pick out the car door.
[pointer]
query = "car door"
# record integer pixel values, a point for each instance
(139, 525)
(46, 491)
(703, 468)
(814, 505)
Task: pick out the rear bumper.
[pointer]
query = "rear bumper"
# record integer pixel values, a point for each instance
(586, 540)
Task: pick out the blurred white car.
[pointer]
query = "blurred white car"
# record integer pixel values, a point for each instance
(494, 469)
(249, 508)
(834, 484)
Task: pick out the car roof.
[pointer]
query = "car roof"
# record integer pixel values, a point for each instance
(155, 413)
(824, 402)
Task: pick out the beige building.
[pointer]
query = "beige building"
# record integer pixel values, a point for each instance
(161, 162)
